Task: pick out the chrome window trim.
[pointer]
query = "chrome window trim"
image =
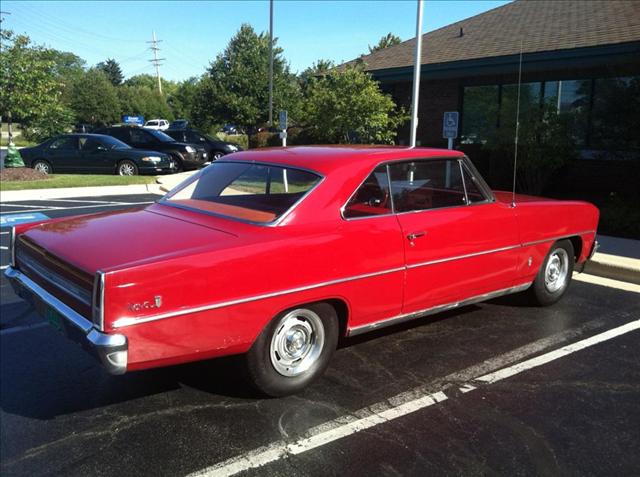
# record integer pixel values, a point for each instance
(394, 320)
(464, 185)
(164, 199)
(484, 188)
(128, 321)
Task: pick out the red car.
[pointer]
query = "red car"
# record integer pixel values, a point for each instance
(278, 253)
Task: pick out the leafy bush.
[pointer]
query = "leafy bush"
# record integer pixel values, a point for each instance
(241, 140)
(620, 216)
(261, 139)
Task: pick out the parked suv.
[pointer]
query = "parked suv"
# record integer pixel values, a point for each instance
(215, 148)
(159, 124)
(186, 156)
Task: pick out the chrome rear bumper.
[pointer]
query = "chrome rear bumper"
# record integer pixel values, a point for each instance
(110, 349)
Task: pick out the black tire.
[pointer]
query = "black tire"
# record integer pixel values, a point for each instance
(42, 166)
(178, 162)
(265, 369)
(545, 291)
(127, 168)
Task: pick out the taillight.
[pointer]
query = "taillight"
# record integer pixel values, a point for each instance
(98, 300)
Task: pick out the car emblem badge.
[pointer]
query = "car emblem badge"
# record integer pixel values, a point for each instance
(147, 305)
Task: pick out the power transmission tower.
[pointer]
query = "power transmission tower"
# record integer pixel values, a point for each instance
(156, 61)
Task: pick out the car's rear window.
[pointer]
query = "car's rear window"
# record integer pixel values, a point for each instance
(252, 192)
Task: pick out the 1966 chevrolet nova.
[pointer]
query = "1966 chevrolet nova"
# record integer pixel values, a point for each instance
(277, 253)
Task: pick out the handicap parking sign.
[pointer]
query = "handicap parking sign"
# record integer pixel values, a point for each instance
(450, 125)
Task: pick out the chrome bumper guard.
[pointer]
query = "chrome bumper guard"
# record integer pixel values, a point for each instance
(594, 249)
(111, 350)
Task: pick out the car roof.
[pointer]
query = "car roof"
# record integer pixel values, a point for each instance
(349, 159)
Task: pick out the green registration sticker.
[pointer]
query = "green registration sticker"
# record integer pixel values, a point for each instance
(53, 317)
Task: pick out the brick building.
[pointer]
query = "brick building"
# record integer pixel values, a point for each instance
(581, 57)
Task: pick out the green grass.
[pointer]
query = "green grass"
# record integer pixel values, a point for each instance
(19, 141)
(76, 180)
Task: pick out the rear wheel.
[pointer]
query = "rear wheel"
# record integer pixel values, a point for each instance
(177, 161)
(42, 166)
(293, 350)
(127, 168)
(554, 275)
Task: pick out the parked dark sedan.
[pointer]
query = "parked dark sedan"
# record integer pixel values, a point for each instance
(214, 147)
(94, 154)
(186, 156)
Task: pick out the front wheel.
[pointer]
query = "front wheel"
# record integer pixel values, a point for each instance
(127, 168)
(42, 166)
(554, 275)
(293, 350)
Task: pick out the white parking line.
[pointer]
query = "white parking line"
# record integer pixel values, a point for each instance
(5, 233)
(392, 409)
(85, 201)
(78, 207)
(606, 282)
(2, 247)
(29, 206)
(4, 267)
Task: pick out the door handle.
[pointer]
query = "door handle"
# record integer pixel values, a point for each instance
(414, 235)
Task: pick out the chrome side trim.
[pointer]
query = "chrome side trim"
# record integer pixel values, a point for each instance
(461, 257)
(128, 321)
(12, 246)
(536, 242)
(98, 300)
(357, 330)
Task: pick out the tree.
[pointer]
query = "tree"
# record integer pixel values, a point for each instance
(236, 86)
(319, 69)
(29, 87)
(140, 100)
(94, 99)
(151, 82)
(347, 106)
(111, 68)
(182, 100)
(385, 42)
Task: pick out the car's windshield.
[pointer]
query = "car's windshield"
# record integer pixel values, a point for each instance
(160, 135)
(252, 192)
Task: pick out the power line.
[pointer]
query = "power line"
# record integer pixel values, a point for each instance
(156, 61)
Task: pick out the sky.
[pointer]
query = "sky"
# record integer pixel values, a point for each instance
(192, 33)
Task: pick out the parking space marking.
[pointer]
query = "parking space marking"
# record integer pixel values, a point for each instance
(606, 282)
(394, 408)
(5, 233)
(81, 201)
(78, 207)
(28, 206)
(2, 247)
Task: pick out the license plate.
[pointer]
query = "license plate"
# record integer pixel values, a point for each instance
(53, 317)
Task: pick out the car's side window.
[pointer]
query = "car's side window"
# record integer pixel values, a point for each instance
(119, 133)
(371, 198)
(64, 144)
(427, 184)
(138, 135)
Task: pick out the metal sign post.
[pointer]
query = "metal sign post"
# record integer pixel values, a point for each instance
(450, 127)
(282, 122)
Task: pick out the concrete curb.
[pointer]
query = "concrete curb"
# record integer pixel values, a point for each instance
(615, 267)
(67, 192)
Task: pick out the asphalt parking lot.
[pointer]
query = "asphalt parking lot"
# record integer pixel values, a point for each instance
(495, 388)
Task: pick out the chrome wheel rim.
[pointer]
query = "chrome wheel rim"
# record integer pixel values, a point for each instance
(42, 167)
(557, 270)
(126, 169)
(217, 156)
(297, 342)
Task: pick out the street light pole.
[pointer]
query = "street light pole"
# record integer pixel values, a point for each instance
(270, 63)
(416, 76)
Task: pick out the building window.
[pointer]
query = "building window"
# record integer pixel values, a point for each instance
(479, 114)
(615, 116)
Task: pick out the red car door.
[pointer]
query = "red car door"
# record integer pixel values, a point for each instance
(459, 242)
